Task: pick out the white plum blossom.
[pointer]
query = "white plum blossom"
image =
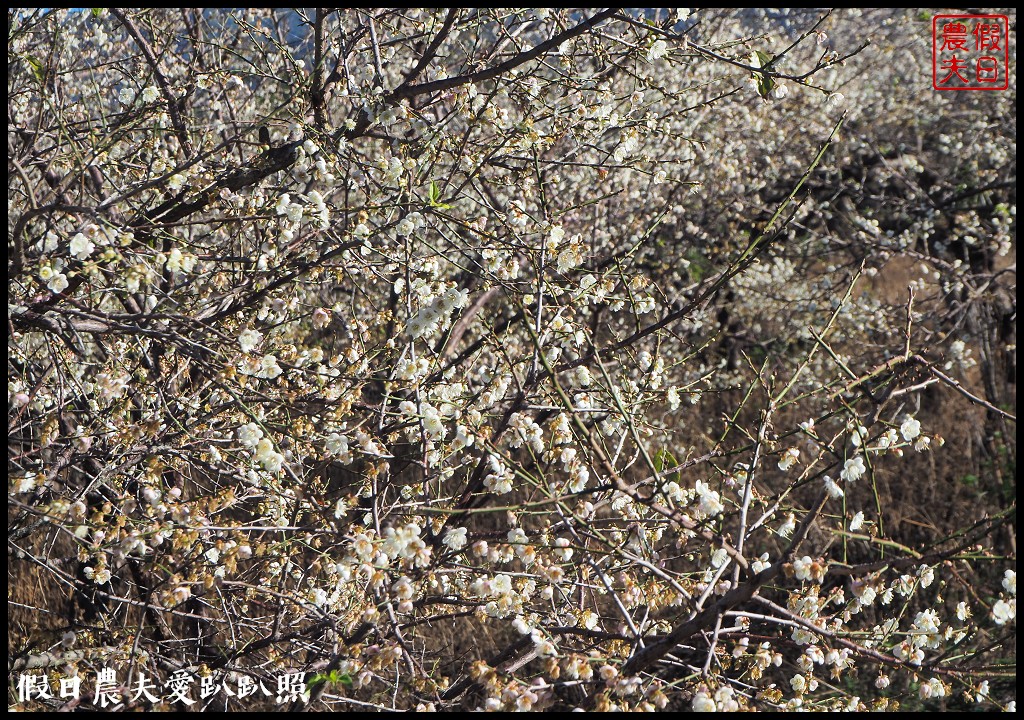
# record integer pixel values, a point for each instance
(802, 567)
(283, 203)
(887, 439)
(57, 282)
(710, 500)
(554, 239)
(321, 318)
(832, 487)
(910, 429)
(248, 339)
(933, 687)
(857, 521)
(858, 433)
(25, 483)
(702, 702)
(578, 478)
(787, 528)
(926, 575)
(337, 444)
(499, 480)
(962, 611)
(249, 434)
(269, 369)
(463, 438)
(456, 538)
(81, 246)
(293, 212)
(570, 257)
(1004, 611)
(269, 458)
(789, 458)
(798, 683)
(179, 262)
(658, 50)
(854, 469)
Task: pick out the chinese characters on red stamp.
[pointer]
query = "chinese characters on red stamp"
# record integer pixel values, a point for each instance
(970, 52)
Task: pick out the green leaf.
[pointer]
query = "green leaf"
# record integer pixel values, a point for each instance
(37, 67)
(96, 12)
(334, 677)
(665, 459)
(434, 197)
(765, 84)
(699, 266)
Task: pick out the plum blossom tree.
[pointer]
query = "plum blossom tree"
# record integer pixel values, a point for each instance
(509, 359)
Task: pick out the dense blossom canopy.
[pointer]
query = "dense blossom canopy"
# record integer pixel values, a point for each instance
(509, 359)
